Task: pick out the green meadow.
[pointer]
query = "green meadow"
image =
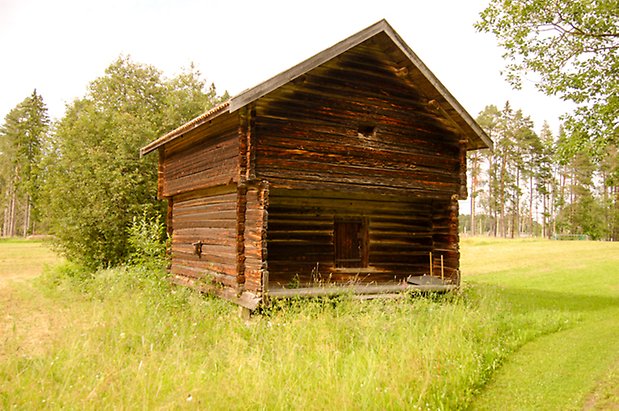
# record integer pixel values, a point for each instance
(535, 326)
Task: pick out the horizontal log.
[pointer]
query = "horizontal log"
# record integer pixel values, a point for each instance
(389, 138)
(225, 124)
(207, 194)
(354, 289)
(228, 199)
(201, 273)
(368, 175)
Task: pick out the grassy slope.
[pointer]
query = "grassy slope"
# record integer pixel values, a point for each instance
(556, 371)
(123, 339)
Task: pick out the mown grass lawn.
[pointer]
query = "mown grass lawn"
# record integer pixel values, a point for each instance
(570, 369)
(122, 338)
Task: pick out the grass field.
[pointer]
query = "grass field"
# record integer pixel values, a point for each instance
(572, 369)
(534, 328)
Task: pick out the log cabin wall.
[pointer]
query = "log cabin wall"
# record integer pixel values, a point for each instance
(198, 176)
(204, 242)
(255, 243)
(205, 157)
(350, 141)
(401, 233)
(355, 124)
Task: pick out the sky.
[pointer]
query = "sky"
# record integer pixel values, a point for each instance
(60, 46)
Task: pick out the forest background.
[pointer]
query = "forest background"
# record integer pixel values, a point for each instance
(80, 178)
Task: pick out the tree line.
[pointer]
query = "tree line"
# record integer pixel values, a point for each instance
(569, 181)
(80, 178)
(542, 184)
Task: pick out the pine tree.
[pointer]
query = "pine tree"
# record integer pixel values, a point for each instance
(22, 135)
(546, 183)
(489, 120)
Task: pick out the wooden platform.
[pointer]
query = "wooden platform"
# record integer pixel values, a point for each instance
(363, 291)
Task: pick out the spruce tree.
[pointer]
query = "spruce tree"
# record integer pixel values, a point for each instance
(22, 137)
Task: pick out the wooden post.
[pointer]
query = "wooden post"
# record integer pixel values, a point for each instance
(244, 313)
(241, 208)
(431, 264)
(442, 269)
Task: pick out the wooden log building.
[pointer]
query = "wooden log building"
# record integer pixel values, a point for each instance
(342, 172)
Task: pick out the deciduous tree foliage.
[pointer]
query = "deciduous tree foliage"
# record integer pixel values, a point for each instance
(96, 183)
(573, 48)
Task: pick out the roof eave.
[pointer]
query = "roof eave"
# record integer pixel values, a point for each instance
(440, 88)
(466, 122)
(188, 126)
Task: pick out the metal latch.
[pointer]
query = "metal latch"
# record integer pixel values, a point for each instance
(197, 248)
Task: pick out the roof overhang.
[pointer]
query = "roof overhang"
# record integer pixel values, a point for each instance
(438, 96)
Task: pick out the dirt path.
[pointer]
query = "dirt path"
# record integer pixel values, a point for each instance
(554, 362)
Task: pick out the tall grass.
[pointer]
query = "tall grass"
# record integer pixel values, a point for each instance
(129, 340)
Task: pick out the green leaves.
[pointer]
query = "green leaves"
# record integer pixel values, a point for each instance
(573, 48)
(97, 184)
(23, 139)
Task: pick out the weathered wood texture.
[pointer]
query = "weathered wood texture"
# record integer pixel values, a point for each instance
(209, 217)
(353, 124)
(347, 174)
(255, 268)
(206, 157)
(402, 232)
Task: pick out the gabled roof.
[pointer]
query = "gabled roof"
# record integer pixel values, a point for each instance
(438, 96)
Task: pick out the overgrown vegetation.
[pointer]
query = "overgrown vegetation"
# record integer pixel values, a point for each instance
(95, 181)
(124, 337)
(143, 345)
(83, 181)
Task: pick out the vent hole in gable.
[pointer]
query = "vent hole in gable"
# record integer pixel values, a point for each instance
(366, 130)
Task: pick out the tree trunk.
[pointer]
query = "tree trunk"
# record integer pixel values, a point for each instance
(27, 210)
(12, 203)
(474, 171)
(473, 207)
(615, 224)
(531, 205)
(516, 212)
(491, 194)
(5, 221)
(544, 214)
(502, 199)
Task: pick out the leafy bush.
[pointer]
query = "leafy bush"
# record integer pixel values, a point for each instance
(147, 242)
(95, 181)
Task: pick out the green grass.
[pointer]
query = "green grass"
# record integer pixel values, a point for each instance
(21, 259)
(122, 338)
(605, 396)
(557, 371)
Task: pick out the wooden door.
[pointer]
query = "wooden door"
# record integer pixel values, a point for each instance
(350, 243)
